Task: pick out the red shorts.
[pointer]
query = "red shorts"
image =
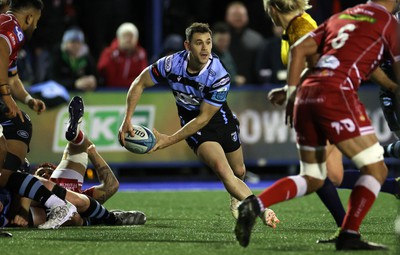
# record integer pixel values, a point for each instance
(69, 184)
(324, 112)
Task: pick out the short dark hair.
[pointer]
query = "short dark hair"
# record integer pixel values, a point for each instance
(46, 165)
(24, 4)
(197, 28)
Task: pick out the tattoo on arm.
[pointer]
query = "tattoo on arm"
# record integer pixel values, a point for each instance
(107, 179)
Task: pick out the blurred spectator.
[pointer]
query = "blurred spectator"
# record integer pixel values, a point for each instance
(124, 59)
(72, 65)
(25, 68)
(221, 38)
(269, 66)
(99, 19)
(245, 42)
(173, 43)
(57, 16)
(4, 5)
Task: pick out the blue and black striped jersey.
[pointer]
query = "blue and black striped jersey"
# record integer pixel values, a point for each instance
(210, 85)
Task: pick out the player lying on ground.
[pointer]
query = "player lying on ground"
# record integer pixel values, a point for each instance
(69, 175)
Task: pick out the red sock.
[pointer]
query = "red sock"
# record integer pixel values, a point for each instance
(284, 189)
(361, 199)
(79, 139)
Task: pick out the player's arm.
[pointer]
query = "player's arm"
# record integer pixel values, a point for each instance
(19, 92)
(379, 77)
(301, 52)
(5, 88)
(135, 91)
(207, 111)
(108, 182)
(22, 214)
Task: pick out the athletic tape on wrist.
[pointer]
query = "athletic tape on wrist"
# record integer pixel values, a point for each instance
(28, 98)
(289, 91)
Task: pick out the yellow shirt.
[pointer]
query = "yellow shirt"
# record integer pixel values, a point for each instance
(297, 28)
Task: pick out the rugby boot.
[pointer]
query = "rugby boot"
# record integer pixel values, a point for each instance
(76, 110)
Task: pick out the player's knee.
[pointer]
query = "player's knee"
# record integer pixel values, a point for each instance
(79, 158)
(313, 184)
(335, 177)
(315, 170)
(371, 155)
(80, 201)
(239, 171)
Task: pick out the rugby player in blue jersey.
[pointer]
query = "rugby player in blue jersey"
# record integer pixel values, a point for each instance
(200, 85)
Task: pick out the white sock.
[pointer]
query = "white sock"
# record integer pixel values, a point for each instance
(54, 201)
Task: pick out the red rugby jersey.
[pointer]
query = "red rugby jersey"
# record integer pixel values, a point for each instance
(15, 38)
(352, 44)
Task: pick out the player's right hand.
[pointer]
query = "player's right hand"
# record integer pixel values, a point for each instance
(20, 221)
(277, 96)
(13, 109)
(126, 127)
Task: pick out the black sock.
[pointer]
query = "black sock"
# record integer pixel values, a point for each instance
(98, 212)
(27, 185)
(330, 197)
(392, 150)
(59, 191)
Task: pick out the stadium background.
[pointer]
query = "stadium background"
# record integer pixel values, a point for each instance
(269, 148)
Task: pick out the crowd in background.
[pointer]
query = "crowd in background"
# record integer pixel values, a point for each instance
(86, 45)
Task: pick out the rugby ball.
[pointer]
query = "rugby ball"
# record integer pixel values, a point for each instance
(143, 141)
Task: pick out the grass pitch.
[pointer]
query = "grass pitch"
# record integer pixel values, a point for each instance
(199, 222)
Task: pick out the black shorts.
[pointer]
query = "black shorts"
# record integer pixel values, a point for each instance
(227, 135)
(390, 109)
(15, 129)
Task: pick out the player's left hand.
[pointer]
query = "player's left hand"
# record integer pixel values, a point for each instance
(37, 105)
(162, 141)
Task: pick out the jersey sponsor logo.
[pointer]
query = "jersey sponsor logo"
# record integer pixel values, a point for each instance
(168, 64)
(234, 136)
(19, 33)
(154, 70)
(186, 98)
(23, 134)
(387, 101)
(340, 125)
(222, 82)
(328, 61)
(220, 95)
(358, 17)
(11, 36)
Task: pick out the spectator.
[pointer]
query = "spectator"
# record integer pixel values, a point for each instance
(124, 59)
(221, 40)
(57, 16)
(245, 42)
(269, 66)
(73, 66)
